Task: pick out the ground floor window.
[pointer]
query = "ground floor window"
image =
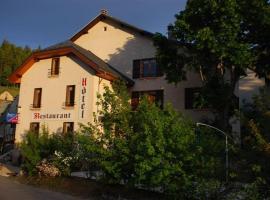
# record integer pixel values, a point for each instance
(192, 98)
(154, 96)
(68, 127)
(34, 127)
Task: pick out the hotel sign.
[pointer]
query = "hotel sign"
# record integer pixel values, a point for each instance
(51, 116)
(83, 98)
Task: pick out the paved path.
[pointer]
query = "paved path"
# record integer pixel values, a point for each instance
(11, 190)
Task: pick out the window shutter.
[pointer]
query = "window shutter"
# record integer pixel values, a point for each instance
(136, 69)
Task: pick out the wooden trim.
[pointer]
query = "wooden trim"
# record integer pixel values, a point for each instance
(104, 16)
(15, 77)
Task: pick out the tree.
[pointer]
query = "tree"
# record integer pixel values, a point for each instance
(219, 40)
(148, 147)
(11, 57)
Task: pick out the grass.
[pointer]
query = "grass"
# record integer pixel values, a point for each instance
(88, 188)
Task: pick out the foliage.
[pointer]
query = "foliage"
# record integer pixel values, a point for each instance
(219, 40)
(252, 191)
(11, 57)
(255, 135)
(150, 147)
(57, 149)
(46, 169)
(30, 149)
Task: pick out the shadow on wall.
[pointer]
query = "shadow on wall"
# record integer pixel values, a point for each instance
(135, 48)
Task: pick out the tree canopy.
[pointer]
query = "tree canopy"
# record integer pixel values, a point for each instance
(11, 56)
(220, 40)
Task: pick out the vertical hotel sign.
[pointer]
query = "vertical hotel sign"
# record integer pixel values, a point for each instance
(83, 97)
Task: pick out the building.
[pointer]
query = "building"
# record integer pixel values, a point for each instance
(6, 96)
(59, 84)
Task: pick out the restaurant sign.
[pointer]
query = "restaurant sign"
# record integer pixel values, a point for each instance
(51, 116)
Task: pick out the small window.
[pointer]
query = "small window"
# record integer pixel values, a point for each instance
(146, 68)
(155, 96)
(34, 127)
(105, 28)
(37, 97)
(55, 66)
(68, 127)
(70, 96)
(192, 96)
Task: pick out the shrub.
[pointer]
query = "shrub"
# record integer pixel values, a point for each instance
(57, 149)
(150, 147)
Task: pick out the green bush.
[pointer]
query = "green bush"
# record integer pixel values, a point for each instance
(57, 149)
(148, 147)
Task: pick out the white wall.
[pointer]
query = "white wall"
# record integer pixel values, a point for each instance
(119, 47)
(54, 94)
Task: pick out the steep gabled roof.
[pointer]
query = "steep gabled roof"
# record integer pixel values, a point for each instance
(101, 68)
(103, 16)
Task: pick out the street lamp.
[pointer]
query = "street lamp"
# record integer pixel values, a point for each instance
(226, 147)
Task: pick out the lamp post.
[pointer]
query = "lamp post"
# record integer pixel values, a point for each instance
(226, 147)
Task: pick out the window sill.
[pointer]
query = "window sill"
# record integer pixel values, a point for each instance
(33, 108)
(68, 107)
(53, 76)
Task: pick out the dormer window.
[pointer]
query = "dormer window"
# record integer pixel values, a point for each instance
(55, 67)
(145, 68)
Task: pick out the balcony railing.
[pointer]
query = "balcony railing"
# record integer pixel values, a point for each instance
(69, 104)
(53, 73)
(35, 106)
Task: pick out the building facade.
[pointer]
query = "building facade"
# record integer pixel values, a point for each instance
(59, 84)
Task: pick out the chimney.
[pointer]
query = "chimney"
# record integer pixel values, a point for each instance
(170, 32)
(104, 12)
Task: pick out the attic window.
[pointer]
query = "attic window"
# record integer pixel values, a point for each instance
(55, 67)
(105, 28)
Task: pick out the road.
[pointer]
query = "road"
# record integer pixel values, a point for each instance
(11, 190)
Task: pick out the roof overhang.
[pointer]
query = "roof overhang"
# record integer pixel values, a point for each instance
(103, 16)
(15, 77)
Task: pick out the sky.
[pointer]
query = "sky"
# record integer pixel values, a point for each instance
(46, 22)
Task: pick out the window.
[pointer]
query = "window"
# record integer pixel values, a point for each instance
(70, 96)
(55, 67)
(155, 96)
(68, 127)
(37, 98)
(34, 127)
(192, 96)
(146, 68)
